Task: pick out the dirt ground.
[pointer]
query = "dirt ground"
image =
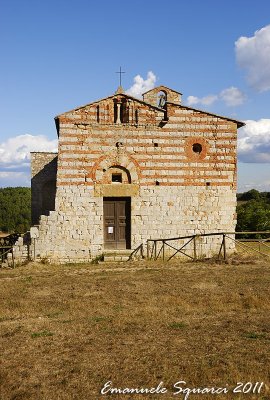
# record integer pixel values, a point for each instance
(68, 330)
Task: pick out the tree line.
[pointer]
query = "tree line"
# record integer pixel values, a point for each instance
(253, 210)
(15, 209)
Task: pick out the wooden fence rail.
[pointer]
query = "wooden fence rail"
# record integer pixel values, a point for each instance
(4, 251)
(6, 247)
(156, 248)
(135, 252)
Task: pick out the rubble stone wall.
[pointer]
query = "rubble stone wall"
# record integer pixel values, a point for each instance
(180, 175)
(75, 231)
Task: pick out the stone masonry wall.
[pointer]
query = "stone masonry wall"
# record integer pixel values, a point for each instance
(164, 154)
(75, 231)
(182, 177)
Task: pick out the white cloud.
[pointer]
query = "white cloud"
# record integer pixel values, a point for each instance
(253, 176)
(253, 55)
(263, 186)
(8, 174)
(14, 178)
(231, 96)
(15, 158)
(16, 150)
(206, 101)
(141, 85)
(254, 142)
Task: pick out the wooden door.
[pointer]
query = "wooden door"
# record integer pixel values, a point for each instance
(116, 223)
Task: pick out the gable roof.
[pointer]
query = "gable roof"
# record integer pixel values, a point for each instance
(110, 97)
(160, 88)
(239, 123)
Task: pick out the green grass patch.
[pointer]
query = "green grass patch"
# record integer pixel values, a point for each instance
(28, 279)
(254, 335)
(41, 334)
(177, 325)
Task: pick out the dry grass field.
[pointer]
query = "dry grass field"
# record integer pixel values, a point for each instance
(253, 247)
(67, 330)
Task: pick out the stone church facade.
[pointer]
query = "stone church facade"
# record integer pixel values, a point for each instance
(128, 170)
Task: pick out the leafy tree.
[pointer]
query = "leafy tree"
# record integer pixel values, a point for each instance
(252, 194)
(15, 209)
(254, 215)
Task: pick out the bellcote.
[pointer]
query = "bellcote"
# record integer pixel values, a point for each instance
(160, 95)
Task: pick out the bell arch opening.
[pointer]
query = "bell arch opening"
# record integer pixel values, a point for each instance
(161, 98)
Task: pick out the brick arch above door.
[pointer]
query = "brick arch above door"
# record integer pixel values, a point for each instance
(124, 161)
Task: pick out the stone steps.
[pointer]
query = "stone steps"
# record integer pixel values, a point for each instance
(117, 255)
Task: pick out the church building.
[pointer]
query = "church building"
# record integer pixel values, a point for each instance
(128, 170)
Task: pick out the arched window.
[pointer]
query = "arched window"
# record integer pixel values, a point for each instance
(107, 113)
(115, 110)
(161, 99)
(136, 116)
(121, 111)
(125, 112)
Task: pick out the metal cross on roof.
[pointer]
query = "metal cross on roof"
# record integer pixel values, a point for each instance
(120, 75)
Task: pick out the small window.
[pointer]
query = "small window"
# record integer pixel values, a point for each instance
(136, 116)
(161, 99)
(115, 110)
(197, 148)
(117, 178)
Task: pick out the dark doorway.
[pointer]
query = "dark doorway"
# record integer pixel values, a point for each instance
(117, 230)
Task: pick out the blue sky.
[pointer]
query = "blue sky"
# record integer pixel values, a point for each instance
(56, 55)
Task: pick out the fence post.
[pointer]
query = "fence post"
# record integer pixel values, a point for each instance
(155, 250)
(195, 247)
(224, 247)
(147, 249)
(163, 250)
